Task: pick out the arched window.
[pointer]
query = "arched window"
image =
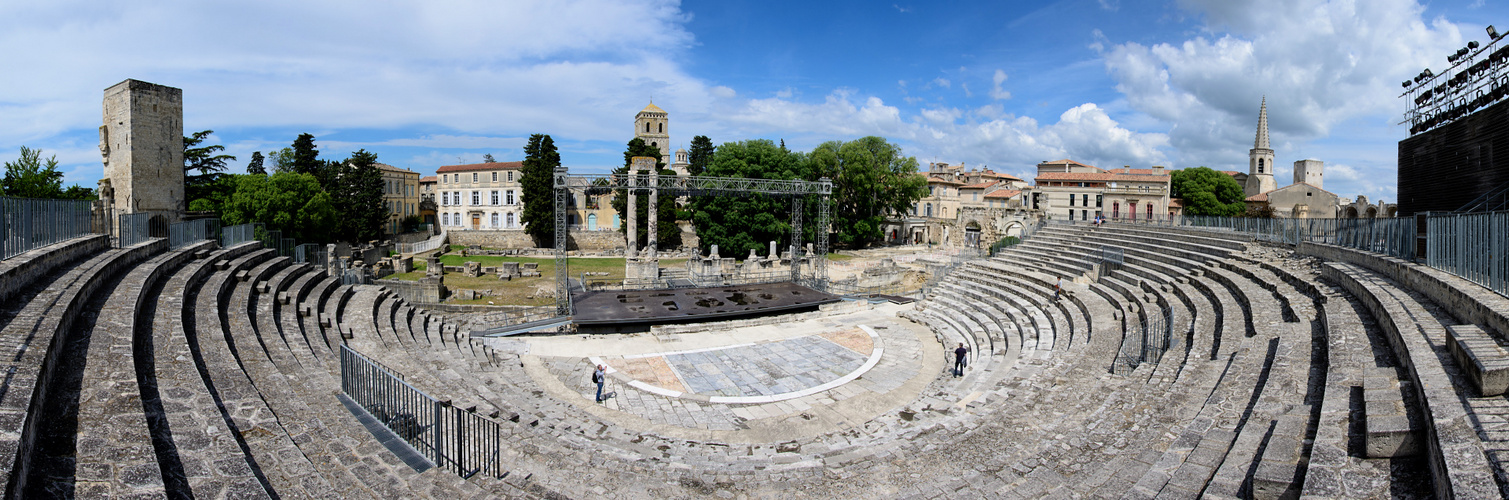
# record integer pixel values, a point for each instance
(510, 219)
(445, 219)
(1115, 210)
(647, 127)
(591, 222)
(1260, 165)
(1150, 211)
(495, 220)
(661, 128)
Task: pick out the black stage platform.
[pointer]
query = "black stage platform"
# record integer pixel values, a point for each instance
(638, 309)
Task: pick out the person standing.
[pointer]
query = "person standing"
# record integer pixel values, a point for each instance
(1058, 287)
(960, 355)
(598, 377)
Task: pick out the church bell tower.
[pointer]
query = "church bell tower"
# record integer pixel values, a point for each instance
(1260, 158)
(651, 125)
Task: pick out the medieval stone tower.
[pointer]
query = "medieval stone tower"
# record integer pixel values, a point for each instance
(1309, 172)
(651, 125)
(1260, 158)
(142, 145)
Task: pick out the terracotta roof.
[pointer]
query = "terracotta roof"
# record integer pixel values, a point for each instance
(1002, 175)
(940, 180)
(981, 185)
(391, 168)
(1175, 203)
(1230, 172)
(502, 165)
(652, 108)
(1138, 171)
(1102, 177)
(1003, 193)
(431, 179)
(1259, 197)
(1067, 161)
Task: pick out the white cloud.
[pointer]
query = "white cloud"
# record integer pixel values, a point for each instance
(996, 92)
(1319, 63)
(723, 92)
(942, 82)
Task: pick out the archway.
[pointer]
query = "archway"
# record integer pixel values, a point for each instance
(1351, 212)
(157, 226)
(1014, 229)
(1372, 212)
(972, 234)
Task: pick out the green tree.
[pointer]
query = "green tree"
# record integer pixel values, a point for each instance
(356, 192)
(669, 234)
(537, 187)
(1207, 192)
(292, 203)
(700, 155)
(77, 192)
(411, 223)
(488, 158)
(738, 224)
(305, 156)
(213, 196)
(205, 160)
(31, 177)
(282, 160)
(872, 181)
(255, 165)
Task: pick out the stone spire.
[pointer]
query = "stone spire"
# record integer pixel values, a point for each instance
(1262, 127)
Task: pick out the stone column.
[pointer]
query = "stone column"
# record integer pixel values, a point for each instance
(632, 229)
(653, 230)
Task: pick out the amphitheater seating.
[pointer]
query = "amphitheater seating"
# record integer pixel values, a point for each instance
(212, 372)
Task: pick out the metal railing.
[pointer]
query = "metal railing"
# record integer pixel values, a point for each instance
(28, 224)
(456, 439)
(311, 253)
(185, 233)
(134, 228)
(238, 234)
(1394, 236)
(1111, 259)
(1473, 246)
(433, 243)
(1156, 336)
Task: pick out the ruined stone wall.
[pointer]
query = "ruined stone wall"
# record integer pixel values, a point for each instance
(517, 238)
(142, 145)
(415, 291)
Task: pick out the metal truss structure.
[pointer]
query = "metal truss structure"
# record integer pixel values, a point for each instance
(799, 191)
(1476, 78)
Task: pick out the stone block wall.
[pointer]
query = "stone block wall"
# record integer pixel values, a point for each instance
(142, 145)
(427, 291)
(516, 238)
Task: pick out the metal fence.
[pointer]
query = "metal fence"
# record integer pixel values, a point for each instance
(1111, 259)
(1156, 336)
(1393, 236)
(188, 232)
(28, 224)
(458, 440)
(237, 234)
(1473, 246)
(133, 229)
(434, 243)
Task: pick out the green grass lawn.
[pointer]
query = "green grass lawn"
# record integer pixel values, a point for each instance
(523, 291)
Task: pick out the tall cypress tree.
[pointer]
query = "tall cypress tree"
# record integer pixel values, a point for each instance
(536, 181)
(356, 191)
(700, 156)
(255, 166)
(306, 157)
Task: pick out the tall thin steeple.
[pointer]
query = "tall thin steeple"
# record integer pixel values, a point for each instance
(1262, 127)
(1260, 158)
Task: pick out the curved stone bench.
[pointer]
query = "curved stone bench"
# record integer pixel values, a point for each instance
(22, 271)
(43, 379)
(1458, 462)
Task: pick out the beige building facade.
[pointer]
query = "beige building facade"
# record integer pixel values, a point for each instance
(400, 195)
(479, 196)
(1070, 190)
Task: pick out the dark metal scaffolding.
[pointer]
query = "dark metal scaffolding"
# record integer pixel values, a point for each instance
(566, 183)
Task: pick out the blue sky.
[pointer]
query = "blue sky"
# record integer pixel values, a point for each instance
(1002, 84)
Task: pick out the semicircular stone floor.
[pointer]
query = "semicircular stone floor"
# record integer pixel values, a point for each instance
(806, 377)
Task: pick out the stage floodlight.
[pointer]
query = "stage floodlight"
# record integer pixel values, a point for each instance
(1406, 83)
(1493, 33)
(1472, 45)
